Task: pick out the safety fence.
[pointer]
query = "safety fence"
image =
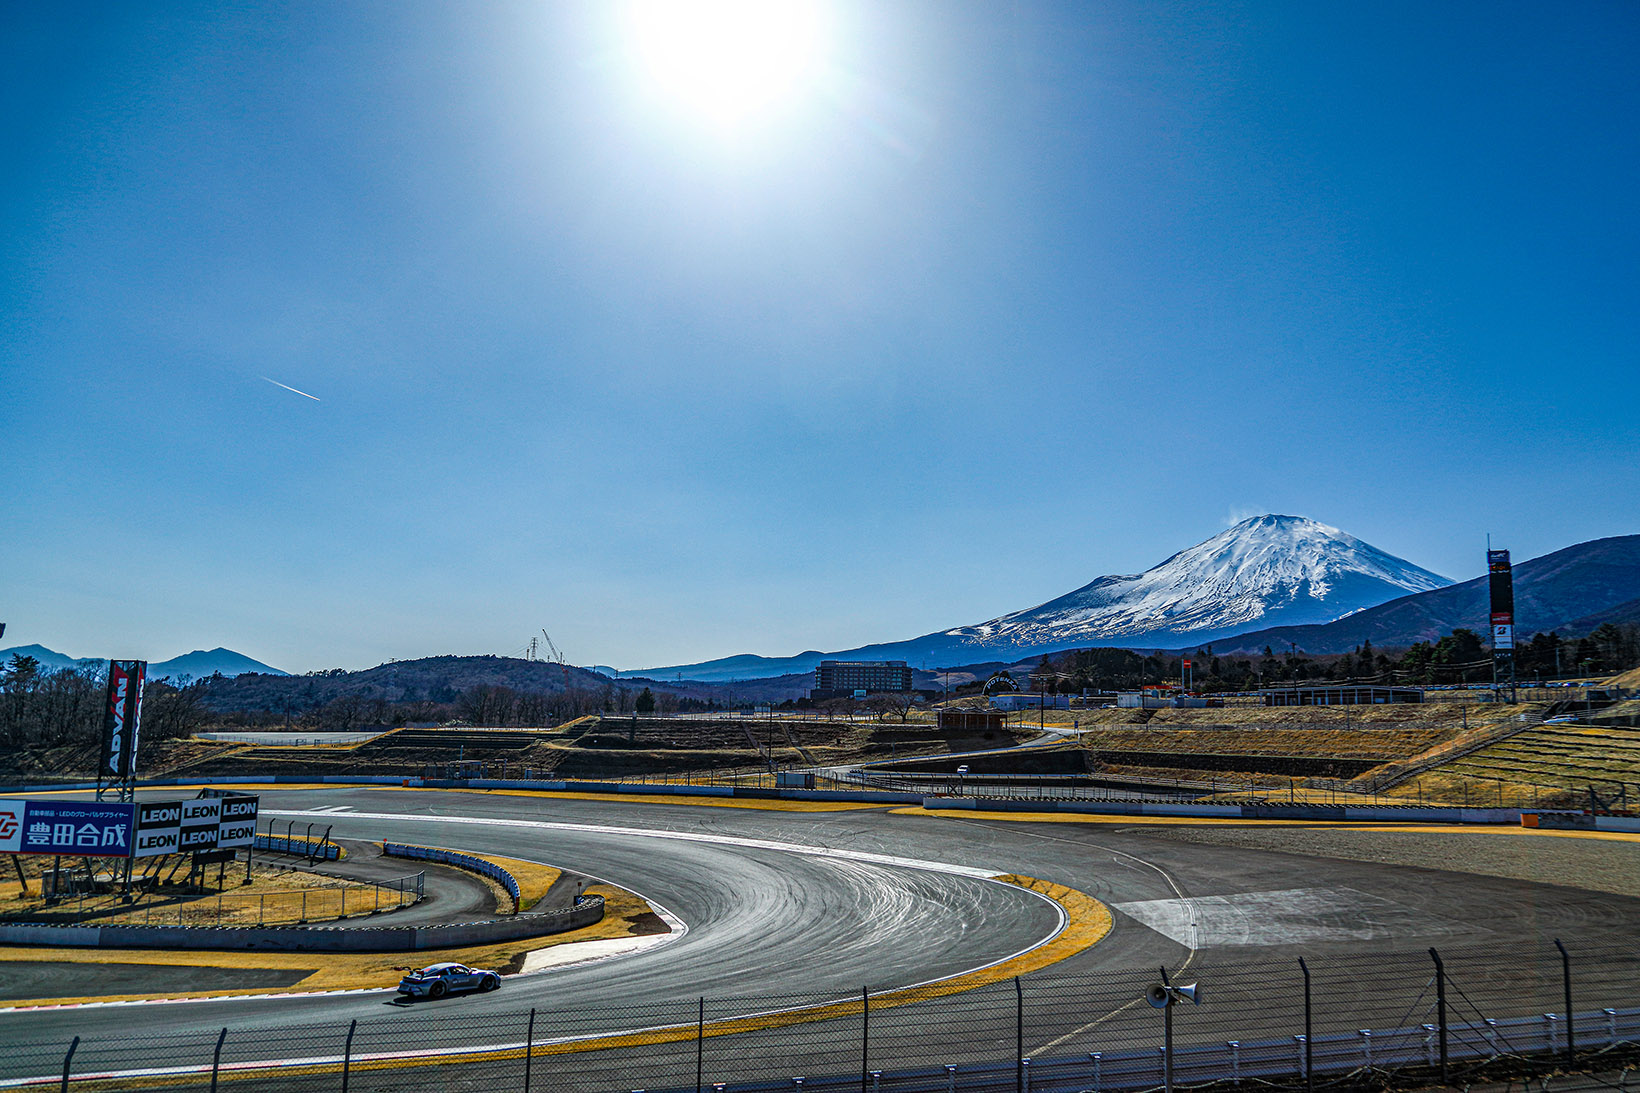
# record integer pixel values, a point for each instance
(305, 846)
(1364, 1020)
(472, 862)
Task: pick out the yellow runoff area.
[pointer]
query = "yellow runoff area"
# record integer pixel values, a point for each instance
(1232, 821)
(534, 878)
(1088, 921)
(766, 804)
(625, 915)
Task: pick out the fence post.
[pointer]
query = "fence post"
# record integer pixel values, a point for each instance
(67, 1059)
(1366, 1046)
(1440, 1005)
(700, 1043)
(1235, 1060)
(347, 1052)
(1019, 1036)
(1309, 1057)
(865, 1036)
(1566, 985)
(529, 1049)
(216, 1059)
(1098, 1058)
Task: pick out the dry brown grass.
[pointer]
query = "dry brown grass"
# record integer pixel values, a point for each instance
(275, 895)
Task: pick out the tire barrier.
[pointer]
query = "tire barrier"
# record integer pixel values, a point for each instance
(470, 862)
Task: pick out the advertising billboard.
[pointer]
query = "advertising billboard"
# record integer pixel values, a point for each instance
(1502, 581)
(206, 824)
(89, 829)
(122, 718)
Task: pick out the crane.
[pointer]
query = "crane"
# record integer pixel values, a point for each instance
(557, 657)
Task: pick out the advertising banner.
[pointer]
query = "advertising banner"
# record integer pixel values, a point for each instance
(237, 826)
(1502, 586)
(1503, 636)
(88, 829)
(207, 824)
(122, 718)
(200, 820)
(159, 828)
(11, 825)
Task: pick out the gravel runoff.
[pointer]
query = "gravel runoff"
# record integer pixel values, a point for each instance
(1598, 865)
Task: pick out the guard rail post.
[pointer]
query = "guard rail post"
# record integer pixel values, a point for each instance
(700, 1043)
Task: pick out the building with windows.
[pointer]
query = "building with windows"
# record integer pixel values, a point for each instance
(843, 678)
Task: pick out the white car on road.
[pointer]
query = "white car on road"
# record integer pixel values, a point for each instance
(438, 980)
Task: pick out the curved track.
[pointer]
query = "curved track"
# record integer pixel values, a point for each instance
(830, 902)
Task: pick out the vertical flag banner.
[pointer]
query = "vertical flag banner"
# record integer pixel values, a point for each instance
(122, 718)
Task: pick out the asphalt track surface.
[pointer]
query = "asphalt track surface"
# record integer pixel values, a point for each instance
(830, 902)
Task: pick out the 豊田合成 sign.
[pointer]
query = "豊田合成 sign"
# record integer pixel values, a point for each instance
(88, 829)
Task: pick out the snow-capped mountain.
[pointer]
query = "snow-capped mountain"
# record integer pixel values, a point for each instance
(1266, 571)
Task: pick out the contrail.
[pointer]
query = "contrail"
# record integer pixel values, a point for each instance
(287, 387)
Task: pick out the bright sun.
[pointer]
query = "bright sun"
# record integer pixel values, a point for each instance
(728, 61)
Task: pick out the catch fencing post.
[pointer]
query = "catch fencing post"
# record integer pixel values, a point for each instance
(865, 1036)
(1309, 1057)
(700, 1042)
(1019, 1036)
(1097, 1057)
(216, 1059)
(67, 1059)
(1440, 1004)
(529, 1049)
(347, 1052)
(1566, 984)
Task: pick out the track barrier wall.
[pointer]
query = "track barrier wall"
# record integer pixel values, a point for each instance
(470, 862)
(1354, 1022)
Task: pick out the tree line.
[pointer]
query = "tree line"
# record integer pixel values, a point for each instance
(1461, 656)
(45, 708)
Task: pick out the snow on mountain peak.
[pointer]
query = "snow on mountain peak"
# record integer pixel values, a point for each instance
(1266, 570)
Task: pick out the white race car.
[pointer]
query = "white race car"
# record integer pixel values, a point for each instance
(438, 980)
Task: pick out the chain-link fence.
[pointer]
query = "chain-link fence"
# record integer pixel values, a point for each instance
(1329, 1022)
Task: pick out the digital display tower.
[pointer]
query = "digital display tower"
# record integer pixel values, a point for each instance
(1503, 620)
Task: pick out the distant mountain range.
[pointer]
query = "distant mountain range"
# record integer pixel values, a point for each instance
(1281, 570)
(1571, 591)
(195, 665)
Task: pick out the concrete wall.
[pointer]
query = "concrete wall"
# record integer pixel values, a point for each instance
(332, 939)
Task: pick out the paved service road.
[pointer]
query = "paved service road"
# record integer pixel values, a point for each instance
(820, 902)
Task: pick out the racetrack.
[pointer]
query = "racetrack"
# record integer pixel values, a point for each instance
(823, 904)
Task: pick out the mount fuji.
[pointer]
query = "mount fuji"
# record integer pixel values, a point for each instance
(1263, 572)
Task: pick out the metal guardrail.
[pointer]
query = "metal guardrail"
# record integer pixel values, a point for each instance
(456, 858)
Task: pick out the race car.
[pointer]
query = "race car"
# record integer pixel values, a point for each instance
(437, 980)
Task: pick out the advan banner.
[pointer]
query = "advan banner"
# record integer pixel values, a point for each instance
(122, 718)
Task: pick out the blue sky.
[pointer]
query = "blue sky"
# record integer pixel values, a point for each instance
(996, 299)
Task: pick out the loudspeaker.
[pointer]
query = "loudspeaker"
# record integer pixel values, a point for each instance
(1192, 992)
(1156, 994)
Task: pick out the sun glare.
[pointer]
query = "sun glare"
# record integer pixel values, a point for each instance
(728, 61)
